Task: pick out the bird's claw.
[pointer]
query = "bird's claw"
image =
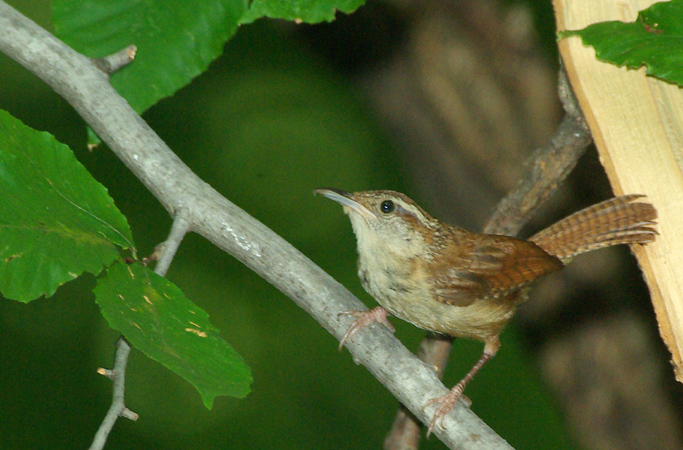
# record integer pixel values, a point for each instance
(446, 404)
(363, 319)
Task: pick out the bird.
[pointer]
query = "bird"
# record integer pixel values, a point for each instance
(458, 283)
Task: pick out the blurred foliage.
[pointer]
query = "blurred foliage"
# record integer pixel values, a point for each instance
(265, 125)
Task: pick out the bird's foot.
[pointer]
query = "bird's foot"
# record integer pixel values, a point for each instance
(363, 319)
(446, 404)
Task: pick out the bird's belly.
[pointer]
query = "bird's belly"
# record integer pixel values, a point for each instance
(480, 320)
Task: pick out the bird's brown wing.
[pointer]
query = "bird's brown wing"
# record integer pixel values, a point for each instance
(488, 268)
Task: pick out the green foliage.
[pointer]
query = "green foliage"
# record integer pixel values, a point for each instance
(157, 318)
(56, 221)
(310, 11)
(176, 40)
(272, 123)
(654, 40)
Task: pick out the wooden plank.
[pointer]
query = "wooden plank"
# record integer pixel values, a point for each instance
(637, 125)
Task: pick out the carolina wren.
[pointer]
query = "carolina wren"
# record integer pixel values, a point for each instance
(448, 280)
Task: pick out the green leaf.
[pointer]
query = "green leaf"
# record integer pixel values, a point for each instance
(155, 316)
(56, 221)
(176, 39)
(654, 40)
(309, 11)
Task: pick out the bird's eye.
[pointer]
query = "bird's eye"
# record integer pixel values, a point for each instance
(387, 206)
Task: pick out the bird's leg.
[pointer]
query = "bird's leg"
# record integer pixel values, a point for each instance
(363, 319)
(447, 401)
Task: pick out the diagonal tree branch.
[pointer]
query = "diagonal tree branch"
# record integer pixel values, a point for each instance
(86, 88)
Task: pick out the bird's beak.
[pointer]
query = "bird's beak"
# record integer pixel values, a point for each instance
(345, 199)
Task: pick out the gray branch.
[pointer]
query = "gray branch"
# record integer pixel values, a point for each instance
(116, 61)
(170, 246)
(118, 408)
(167, 251)
(87, 89)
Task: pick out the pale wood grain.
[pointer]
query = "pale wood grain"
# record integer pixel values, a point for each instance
(637, 125)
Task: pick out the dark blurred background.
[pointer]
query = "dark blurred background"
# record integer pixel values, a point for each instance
(441, 100)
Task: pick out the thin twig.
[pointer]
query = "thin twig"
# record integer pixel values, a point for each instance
(169, 247)
(116, 61)
(548, 167)
(118, 373)
(118, 408)
(211, 215)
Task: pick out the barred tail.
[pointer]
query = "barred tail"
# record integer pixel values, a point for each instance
(612, 222)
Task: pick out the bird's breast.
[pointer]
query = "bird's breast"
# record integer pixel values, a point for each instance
(405, 290)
